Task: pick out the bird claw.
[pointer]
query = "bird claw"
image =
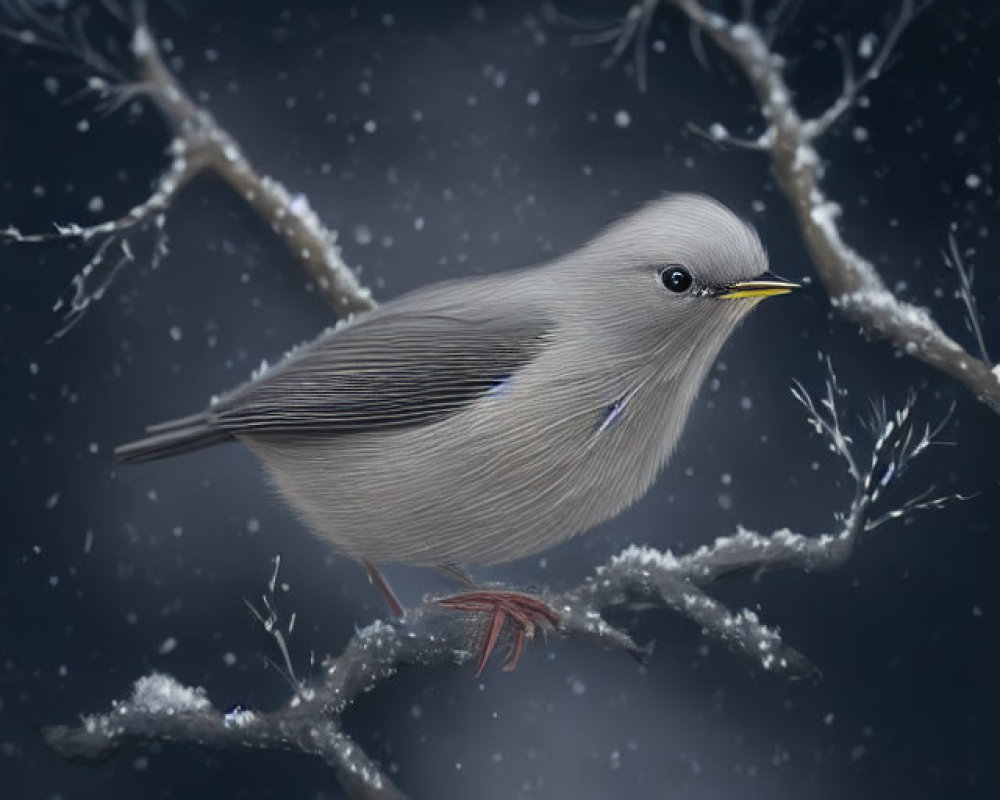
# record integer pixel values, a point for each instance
(526, 614)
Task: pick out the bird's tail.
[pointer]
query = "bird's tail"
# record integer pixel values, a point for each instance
(173, 438)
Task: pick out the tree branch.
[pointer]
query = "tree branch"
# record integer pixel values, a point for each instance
(200, 145)
(851, 281)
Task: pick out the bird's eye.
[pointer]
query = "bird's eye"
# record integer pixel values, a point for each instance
(675, 278)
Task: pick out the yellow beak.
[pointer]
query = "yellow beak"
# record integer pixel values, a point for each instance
(766, 285)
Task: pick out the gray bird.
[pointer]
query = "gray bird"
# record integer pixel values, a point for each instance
(484, 419)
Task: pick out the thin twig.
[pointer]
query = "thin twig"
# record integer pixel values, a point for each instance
(718, 133)
(852, 87)
(953, 258)
(629, 33)
(777, 17)
(271, 623)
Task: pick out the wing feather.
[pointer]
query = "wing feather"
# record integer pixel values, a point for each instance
(387, 371)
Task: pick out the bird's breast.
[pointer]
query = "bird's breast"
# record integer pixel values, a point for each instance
(534, 461)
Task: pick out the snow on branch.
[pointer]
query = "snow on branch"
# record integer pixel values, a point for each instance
(160, 708)
(200, 145)
(851, 280)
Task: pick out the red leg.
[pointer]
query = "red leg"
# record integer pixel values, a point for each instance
(514, 656)
(377, 578)
(492, 634)
(526, 614)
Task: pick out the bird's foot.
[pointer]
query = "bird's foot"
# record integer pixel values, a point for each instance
(526, 614)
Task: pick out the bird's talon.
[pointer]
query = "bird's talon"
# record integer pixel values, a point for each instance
(526, 615)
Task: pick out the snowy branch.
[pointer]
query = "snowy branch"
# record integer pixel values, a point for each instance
(200, 145)
(851, 280)
(161, 709)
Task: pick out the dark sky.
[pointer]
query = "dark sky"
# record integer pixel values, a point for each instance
(450, 139)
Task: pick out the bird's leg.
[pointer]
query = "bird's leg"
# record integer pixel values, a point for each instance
(526, 614)
(378, 579)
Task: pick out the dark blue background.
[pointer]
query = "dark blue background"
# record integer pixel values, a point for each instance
(905, 633)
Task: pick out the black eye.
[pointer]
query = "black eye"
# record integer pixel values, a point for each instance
(675, 278)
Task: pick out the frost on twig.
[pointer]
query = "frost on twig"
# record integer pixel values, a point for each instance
(114, 248)
(270, 620)
(199, 145)
(852, 281)
(162, 709)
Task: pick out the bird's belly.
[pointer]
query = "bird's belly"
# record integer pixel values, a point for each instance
(421, 497)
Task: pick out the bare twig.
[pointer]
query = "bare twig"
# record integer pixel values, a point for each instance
(718, 133)
(631, 32)
(953, 258)
(852, 86)
(270, 621)
(777, 17)
(61, 35)
(160, 708)
(826, 421)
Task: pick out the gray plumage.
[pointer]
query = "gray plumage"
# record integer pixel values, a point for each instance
(488, 418)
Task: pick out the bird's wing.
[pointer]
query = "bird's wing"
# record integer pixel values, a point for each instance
(391, 370)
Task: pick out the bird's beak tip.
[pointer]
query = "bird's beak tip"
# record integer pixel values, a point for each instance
(765, 285)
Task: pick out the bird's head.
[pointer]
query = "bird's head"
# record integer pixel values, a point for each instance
(683, 268)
